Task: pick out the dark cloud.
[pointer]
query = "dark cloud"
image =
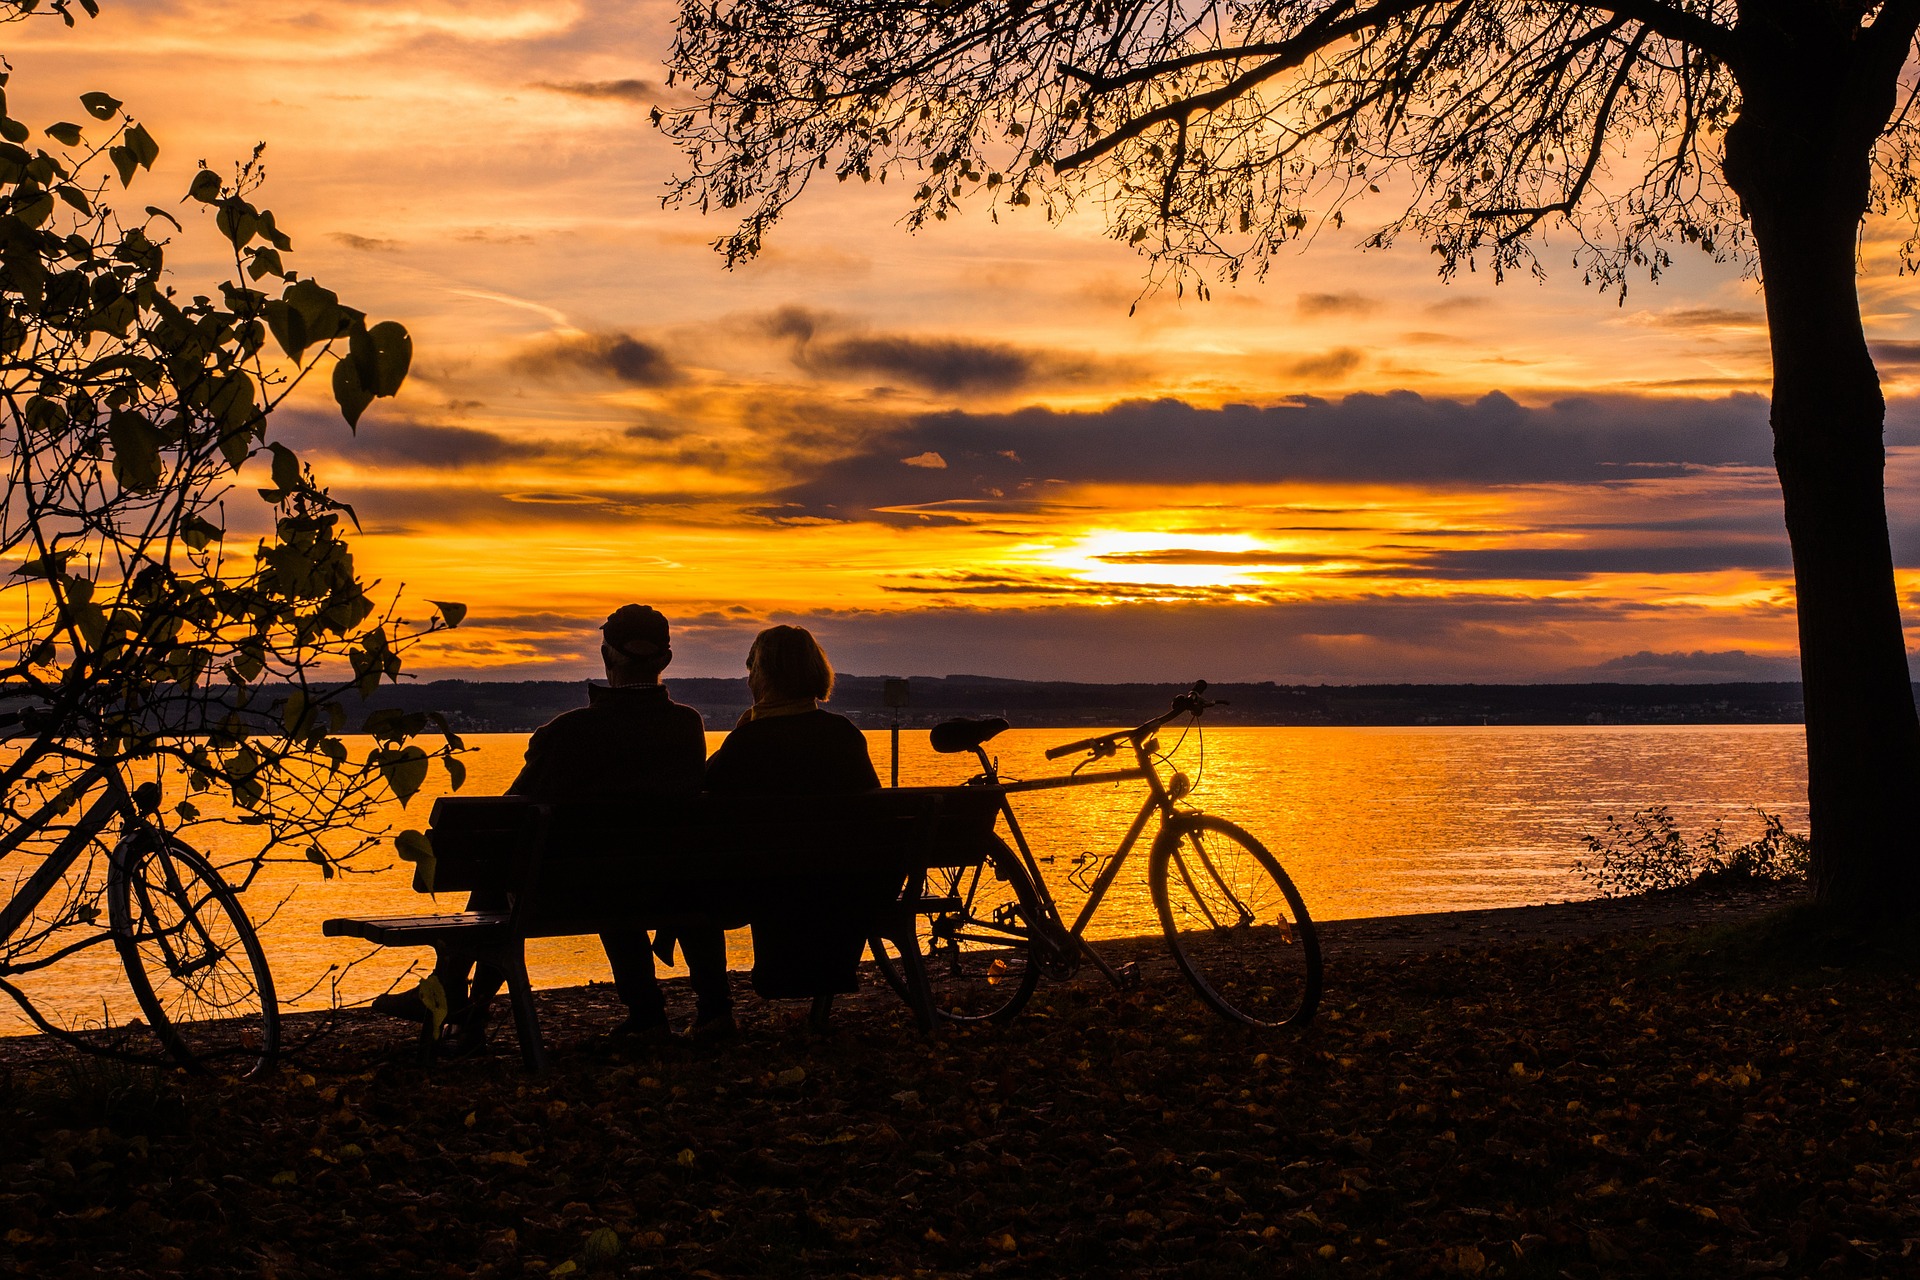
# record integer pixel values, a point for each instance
(1328, 365)
(935, 364)
(1335, 304)
(1196, 555)
(821, 345)
(1706, 318)
(1895, 355)
(1398, 437)
(416, 444)
(494, 235)
(1571, 563)
(366, 244)
(615, 355)
(636, 91)
(1500, 638)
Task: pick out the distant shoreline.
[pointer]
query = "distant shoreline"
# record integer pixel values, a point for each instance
(521, 706)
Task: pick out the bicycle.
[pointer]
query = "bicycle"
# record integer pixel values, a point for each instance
(191, 955)
(1234, 922)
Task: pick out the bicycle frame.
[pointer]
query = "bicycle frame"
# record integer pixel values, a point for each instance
(1159, 800)
(53, 869)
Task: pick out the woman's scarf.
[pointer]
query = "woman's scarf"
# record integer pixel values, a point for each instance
(773, 707)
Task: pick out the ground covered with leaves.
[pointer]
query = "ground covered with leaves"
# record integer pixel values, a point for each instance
(1542, 1106)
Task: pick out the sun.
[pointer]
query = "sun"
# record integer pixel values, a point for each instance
(1152, 557)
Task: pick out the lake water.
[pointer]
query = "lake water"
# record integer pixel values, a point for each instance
(1367, 821)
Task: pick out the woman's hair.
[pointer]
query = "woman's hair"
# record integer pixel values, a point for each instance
(792, 663)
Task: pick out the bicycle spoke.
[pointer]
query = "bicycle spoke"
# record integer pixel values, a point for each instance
(1235, 923)
(978, 958)
(191, 955)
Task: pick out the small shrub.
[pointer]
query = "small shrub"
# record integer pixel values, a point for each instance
(1647, 853)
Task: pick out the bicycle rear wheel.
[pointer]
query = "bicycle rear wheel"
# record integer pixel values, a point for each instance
(1235, 923)
(191, 956)
(977, 943)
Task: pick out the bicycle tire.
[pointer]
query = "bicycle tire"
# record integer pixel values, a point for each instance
(979, 957)
(1235, 924)
(191, 955)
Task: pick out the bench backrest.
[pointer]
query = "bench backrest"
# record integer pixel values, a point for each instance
(573, 860)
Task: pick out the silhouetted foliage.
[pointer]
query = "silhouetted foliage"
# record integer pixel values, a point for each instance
(1647, 852)
(1213, 134)
(165, 635)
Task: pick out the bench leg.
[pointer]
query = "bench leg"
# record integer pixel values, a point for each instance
(526, 1022)
(913, 971)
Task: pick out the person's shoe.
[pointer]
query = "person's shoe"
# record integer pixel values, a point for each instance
(650, 1032)
(715, 1030)
(401, 1004)
(469, 1039)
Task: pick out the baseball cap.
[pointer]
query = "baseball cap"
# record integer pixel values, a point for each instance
(637, 631)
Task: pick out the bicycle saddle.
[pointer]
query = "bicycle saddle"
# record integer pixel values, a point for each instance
(950, 736)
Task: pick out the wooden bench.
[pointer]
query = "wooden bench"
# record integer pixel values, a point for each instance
(575, 868)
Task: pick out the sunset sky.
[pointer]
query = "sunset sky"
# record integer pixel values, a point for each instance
(956, 451)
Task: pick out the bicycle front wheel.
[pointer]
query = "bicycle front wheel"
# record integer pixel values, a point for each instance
(191, 956)
(1235, 923)
(976, 939)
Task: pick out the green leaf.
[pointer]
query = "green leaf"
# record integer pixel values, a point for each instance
(141, 143)
(456, 770)
(289, 328)
(295, 717)
(136, 451)
(14, 130)
(319, 308)
(404, 769)
(286, 469)
(388, 349)
(36, 211)
(348, 391)
(123, 164)
(236, 445)
(66, 133)
(236, 221)
(452, 612)
(198, 533)
(187, 810)
(74, 196)
(205, 188)
(265, 262)
(100, 106)
(413, 846)
(48, 566)
(318, 857)
(274, 236)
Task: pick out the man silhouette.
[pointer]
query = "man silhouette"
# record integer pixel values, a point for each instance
(630, 740)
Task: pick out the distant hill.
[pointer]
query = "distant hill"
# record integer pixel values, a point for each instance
(510, 707)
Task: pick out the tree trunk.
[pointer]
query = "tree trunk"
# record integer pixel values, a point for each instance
(1803, 177)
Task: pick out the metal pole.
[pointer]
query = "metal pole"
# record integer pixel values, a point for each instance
(894, 694)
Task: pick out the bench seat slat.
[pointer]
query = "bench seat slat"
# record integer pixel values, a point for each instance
(390, 930)
(583, 868)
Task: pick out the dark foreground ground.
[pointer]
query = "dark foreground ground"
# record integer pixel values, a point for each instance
(1566, 1091)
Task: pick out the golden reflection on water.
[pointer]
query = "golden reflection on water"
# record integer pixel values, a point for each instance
(1367, 822)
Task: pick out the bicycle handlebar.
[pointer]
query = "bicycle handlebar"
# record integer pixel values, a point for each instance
(1192, 702)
